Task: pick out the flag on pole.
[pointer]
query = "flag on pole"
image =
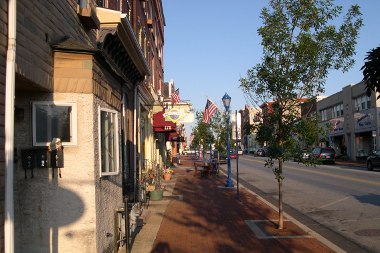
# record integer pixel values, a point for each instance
(191, 138)
(175, 96)
(209, 110)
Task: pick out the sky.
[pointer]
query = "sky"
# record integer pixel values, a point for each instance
(210, 44)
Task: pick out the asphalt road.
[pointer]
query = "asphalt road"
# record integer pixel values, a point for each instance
(341, 203)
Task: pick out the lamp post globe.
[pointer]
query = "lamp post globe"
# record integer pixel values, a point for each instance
(226, 102)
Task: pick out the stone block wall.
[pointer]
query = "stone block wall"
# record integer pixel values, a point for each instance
(3, 57)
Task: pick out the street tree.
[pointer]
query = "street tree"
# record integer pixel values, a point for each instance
(300, 47)
(371, 71)
(218, 134)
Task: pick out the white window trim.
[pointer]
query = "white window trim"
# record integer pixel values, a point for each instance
(117, 169)
(73, 120)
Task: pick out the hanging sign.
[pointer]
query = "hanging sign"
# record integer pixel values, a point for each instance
(179, 115)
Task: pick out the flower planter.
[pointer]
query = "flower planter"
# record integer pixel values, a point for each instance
(167, 176)
(155, 195)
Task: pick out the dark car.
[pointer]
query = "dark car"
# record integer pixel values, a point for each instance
(326, 154)
(222, 158)
(261, 152)
(373, 160)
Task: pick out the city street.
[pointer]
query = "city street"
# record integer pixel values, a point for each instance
(345, 199)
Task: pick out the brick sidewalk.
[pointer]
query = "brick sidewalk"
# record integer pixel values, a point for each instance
(212, 219)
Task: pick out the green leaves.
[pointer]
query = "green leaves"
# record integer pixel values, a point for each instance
(300, 47)
(371, 71)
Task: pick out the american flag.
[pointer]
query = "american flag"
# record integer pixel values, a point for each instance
(209, 110)
(175, 96)
(191, 138)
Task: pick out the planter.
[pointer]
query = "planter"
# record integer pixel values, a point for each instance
(167, 176)
(155, 195)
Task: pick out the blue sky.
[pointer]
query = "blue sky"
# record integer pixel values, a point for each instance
(209, 44)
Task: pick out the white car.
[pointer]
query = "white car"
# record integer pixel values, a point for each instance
(188, 152)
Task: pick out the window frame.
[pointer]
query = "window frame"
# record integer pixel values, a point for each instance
(73, 122)
(323, 115)
(116, 170)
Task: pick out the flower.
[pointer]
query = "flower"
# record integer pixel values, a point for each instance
(167, 170)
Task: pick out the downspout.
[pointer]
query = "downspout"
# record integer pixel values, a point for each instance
(135, 127)
(9, 128)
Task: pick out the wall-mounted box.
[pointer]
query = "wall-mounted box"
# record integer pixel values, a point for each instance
(37, 158)
(42, 158)
(56, 159)
(28, 159)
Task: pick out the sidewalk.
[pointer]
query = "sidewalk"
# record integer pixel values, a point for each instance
(201, 215)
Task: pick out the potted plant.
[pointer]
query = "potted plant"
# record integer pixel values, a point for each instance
(167, 173)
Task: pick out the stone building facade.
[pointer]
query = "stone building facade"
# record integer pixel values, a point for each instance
(355, 121)
(87, 72)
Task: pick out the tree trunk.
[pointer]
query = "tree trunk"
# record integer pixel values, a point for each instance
(280, 212)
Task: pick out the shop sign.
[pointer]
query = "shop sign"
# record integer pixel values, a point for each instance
(337, 125)
(365, 121)
(179, 115)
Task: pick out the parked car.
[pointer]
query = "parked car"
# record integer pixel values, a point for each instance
(222, 158)
(303, 156)
(261, 152)
(188, 152)
(373, 160)
(240, 152)
(327, 154)
(233, 155)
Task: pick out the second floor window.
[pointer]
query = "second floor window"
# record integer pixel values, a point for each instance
(323, 115)
(362, 103)
(338, 111)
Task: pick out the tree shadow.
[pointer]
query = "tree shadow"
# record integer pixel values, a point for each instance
(211, 218)
(373, 199)
(162, 248)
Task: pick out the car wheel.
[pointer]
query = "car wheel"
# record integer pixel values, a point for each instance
(369, 166)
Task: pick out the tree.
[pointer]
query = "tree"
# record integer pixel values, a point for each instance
(219, 132)
(371, 71)
(300, 46)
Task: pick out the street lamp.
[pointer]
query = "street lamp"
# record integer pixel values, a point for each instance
(226, 102)
(209, 130)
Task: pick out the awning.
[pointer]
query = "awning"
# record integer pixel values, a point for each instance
(160, 125)
(175, 137)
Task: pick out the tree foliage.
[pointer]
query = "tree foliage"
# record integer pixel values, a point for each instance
(300, 46)
(371, 71)
(218, 135)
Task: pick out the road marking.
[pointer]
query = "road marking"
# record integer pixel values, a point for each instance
(325, 174)
(299, 224)
(334, 202)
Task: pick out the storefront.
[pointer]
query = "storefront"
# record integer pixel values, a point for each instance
(365, 128)
(337, 136)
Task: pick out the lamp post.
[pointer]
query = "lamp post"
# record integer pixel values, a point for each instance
(226, 102)
(209, 130)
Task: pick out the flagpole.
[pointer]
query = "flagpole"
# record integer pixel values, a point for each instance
(214, 104)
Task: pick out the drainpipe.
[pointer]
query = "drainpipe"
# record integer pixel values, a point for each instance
(9, 128)
(135, 126)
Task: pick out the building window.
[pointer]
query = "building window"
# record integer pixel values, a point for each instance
(108, 136)
(362, 103)
(82, 3)
(323, 115)
(52, 119)
(100, 3)
(338, 111)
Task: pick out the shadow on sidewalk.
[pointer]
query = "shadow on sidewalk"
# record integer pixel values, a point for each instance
(211, 219)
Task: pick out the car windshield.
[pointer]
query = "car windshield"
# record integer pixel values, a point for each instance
(329, 151)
